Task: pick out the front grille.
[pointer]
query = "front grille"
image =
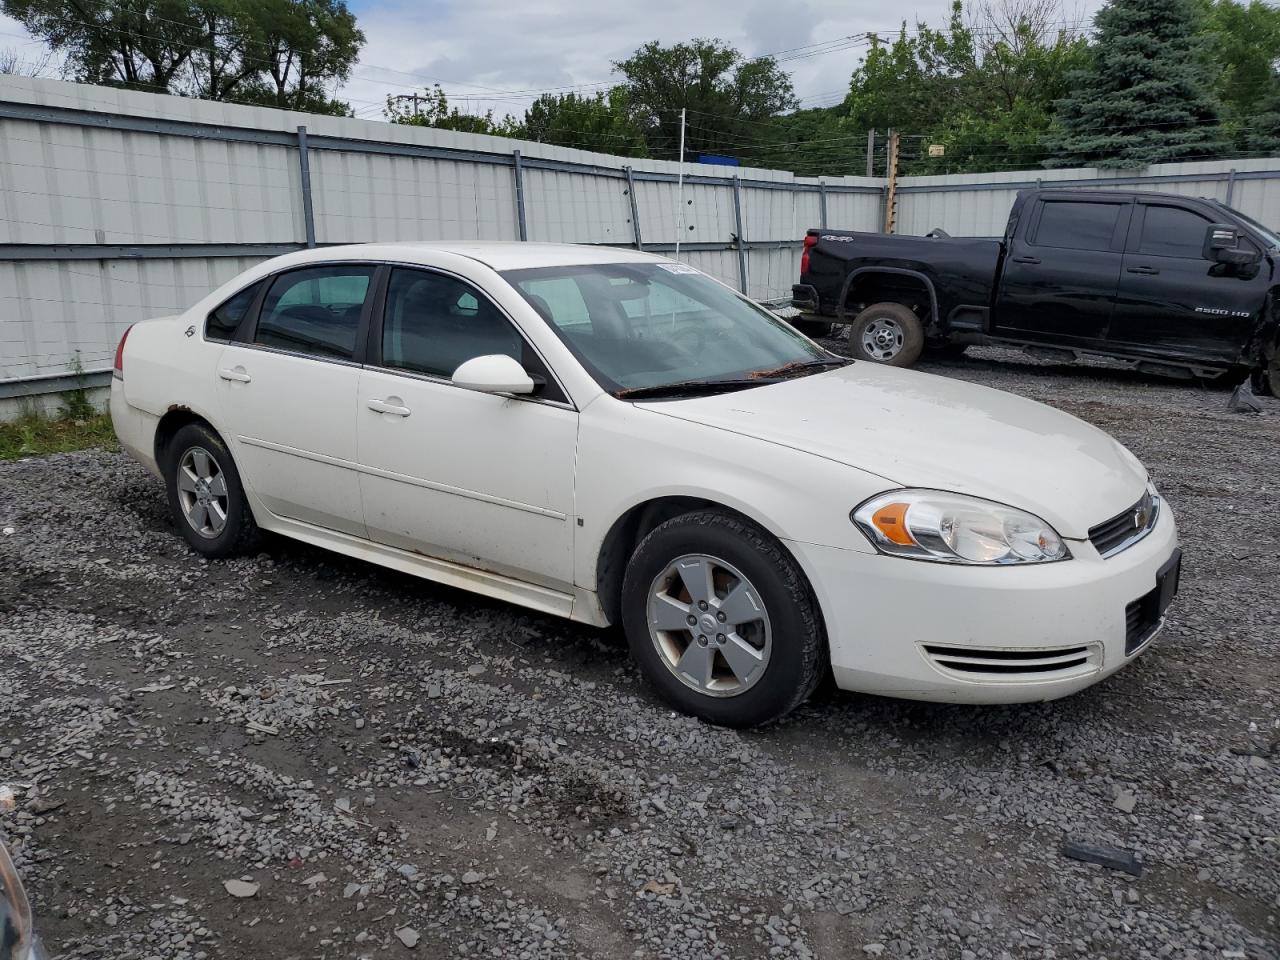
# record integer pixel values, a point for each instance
(1141, 617)
(1127, 528)
(995, 662)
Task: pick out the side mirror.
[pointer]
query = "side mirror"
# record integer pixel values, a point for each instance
(1222, 245)
(17, 940)
(496, 373)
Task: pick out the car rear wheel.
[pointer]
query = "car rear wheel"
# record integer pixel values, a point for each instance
(887, 333)
(206, 496)
(721, 620)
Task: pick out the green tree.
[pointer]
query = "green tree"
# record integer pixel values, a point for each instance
(604, 123)
(1144, 97)
(285, 53)
(983, 87)
(723, 93)
(1242, 47)
(1261, 133)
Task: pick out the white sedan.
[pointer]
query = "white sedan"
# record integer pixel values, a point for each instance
(616, 438)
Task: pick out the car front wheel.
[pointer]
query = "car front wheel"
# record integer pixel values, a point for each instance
(721, 620)
(206, 496)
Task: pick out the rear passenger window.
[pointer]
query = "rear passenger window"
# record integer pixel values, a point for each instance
(1172, 232)
(221, 324)
(315, 311)
(1077, 226)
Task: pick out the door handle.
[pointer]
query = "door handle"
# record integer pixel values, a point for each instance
(1144, 270)
(236, 375)
(391, 405)
(1026, 259)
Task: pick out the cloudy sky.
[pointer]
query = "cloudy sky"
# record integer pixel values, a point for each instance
(494, 54)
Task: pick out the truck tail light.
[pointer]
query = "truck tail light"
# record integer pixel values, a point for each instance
(810, 241)
(117, 369)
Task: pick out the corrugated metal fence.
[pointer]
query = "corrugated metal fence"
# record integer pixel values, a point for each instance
(117, 205)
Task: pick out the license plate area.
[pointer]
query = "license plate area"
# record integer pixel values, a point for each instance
(1142, 616)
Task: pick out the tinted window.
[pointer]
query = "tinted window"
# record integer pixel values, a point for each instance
(1077, 226)
(1173, 232)
(435, 323)
(221, 324)
(315, 311)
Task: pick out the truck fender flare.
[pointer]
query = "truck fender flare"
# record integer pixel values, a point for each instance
(898, 271)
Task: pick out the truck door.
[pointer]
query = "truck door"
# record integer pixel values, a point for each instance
(1062, 270)
(1172, 300)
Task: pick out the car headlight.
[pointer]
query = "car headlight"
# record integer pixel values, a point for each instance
(953, 528)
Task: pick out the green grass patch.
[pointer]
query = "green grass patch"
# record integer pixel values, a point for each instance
(33, 435)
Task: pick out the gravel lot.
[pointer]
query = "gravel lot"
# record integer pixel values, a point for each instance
(298, 755)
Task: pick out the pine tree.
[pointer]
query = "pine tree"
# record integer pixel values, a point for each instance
(1144, 97)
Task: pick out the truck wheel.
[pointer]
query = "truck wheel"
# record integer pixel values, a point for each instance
(721, 621)
(888, 333)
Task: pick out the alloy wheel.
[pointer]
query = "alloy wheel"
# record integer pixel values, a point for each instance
(709, 625)
(202, 492)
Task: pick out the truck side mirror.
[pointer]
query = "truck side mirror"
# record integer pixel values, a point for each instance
(1222, 245)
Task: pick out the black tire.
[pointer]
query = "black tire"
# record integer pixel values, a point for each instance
(797, 660)
(910, 342)
(239, 533)
(814, 329)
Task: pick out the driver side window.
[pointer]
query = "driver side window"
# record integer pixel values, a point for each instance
(433, 323)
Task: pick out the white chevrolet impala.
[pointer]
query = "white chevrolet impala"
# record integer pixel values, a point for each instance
(616, 438)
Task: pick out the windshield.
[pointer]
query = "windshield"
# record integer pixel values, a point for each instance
(640, 326)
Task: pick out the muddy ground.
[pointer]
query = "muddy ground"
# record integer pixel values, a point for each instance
(381, 767)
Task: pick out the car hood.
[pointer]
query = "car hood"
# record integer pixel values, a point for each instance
(919, 430)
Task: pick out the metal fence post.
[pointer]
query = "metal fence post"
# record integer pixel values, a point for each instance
(1231, 185)
(304, 167)
(635, 208)
(519, 175)
(822, 205)
(742, 240)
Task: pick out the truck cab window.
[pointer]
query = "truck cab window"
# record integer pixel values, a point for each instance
(1172, 232)
(1077, 226)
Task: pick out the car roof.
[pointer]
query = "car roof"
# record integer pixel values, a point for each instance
(500, 255)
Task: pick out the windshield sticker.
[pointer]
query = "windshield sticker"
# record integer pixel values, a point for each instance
(675, 266)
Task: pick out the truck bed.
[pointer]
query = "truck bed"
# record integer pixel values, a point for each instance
(963, 269)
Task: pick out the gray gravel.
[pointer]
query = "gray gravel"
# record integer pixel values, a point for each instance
(298, 755)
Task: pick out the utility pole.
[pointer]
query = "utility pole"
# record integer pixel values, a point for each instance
(415, 97)
(871, 153)
(680, 188)
(891, 175)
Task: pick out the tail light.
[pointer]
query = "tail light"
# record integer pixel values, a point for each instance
(117, 370)
(810, 241)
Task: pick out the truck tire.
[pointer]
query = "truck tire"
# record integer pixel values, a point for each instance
(888, 333)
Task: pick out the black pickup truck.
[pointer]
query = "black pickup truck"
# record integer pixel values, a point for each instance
(1174, 285)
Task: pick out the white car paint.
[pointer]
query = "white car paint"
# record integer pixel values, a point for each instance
(514, 496)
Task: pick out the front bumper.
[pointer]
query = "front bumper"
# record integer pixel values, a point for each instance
(960, 634)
